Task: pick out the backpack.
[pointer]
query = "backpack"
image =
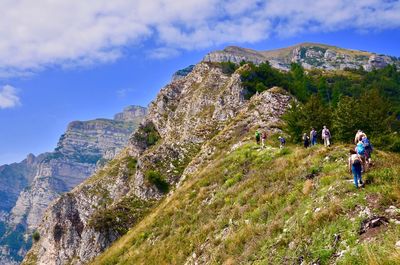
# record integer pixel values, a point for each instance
(314, 134)
(367, 144)
(257, 135)
(282, 140)
(357, 163)
(360, 149)
(264, 135)
(327, 133)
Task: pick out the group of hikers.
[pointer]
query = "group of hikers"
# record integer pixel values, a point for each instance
(359, 159)
(312, 139)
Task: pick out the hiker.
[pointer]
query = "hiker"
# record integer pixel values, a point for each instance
(306, 140)
(313, 137)
(355, 167)
(360, 150)
(263, 138)
(368, 149)
(258, 137)
(282, 142)
(359, 135)
(326, 136)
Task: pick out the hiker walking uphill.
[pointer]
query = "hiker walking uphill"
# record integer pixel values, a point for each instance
(360, 150)
(313, 137)
(326, 136)
(263, 138)
(258, 137)
(355, 167)
(282, 142)
(359, 135)
(368, 149)
(306, 140)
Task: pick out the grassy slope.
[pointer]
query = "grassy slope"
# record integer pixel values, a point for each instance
(252, 206)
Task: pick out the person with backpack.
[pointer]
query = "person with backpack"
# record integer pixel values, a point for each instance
(326, 136)
(368, 149)
(359, 135)
(263, 138)
(258, 137)
(360, 150)
(306, 140)
(313, 137)
(282, 142)
(355, 167)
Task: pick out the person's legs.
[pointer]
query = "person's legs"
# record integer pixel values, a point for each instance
(328, 142)
(263, 142)
(355, 175)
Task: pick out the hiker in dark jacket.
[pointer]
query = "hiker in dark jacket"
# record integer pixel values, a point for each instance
(306, 140)
(282, 142)
(367, 149)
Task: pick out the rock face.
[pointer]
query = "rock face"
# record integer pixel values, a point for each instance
(309, 55)
(131, 114)
(84, 147)
(186, 115)
(182, 73)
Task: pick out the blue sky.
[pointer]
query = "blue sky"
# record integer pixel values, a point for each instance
(69, 60)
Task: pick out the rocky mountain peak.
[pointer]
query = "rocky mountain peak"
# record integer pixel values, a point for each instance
(131, 114)
(309, 55)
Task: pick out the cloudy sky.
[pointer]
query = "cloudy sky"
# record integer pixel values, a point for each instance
(74, 60)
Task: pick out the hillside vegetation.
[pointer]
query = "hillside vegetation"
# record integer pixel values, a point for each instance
(271, 206)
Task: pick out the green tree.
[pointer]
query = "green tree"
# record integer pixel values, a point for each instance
(376, 112)
(294, 119)
(347, 118)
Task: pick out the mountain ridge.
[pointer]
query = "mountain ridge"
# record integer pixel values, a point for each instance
(83, 148)
(192, 149)
(309, 55)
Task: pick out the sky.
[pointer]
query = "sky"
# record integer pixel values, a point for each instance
(78, 60)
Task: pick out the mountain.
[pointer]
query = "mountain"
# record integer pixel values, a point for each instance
(30, 186)
(192, 187)
(309, 55)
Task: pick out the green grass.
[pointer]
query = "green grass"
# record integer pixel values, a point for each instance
(249, 206)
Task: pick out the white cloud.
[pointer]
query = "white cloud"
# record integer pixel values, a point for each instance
(162, 53)
(42, 33)
(9, 97)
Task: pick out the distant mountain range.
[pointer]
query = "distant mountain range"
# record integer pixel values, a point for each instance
(309, 55)
(28, 187)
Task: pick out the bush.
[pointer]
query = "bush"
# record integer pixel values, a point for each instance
(36, 236)
(147, 134)
(228, 68)
(155, 178)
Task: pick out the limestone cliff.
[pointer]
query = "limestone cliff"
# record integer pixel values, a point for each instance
(86, 146)
(186, 115)
(309, 55)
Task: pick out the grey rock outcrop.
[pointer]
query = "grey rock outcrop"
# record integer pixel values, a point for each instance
(309, 55)
(173, 138)
(131, 114)
(85, 147)
(182, 73)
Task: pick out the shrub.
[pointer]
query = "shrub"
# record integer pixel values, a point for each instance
(147, 134)
(155, 178)
(36, 236)
(228, 68)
